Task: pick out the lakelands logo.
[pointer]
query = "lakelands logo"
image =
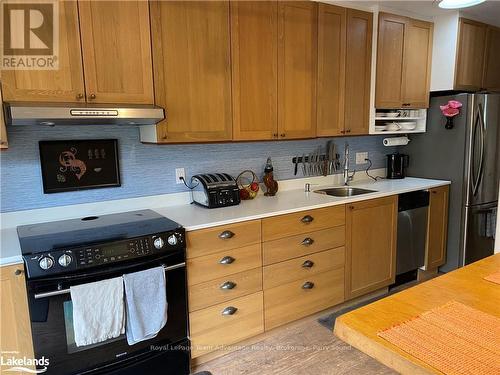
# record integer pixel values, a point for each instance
(30, 35)
(9, 362)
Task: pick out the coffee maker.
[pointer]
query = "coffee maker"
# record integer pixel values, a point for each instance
(396, 165)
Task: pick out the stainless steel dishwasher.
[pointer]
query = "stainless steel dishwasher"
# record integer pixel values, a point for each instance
(412, 231)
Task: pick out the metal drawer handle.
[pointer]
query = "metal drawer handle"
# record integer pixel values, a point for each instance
(227, 234)
(230, 310)
(227, 260)
(307, 241)
(307, 219)
(308, 264)
(228, 285)
(308, 285)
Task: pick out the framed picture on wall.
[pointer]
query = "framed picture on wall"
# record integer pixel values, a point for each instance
(79, 164)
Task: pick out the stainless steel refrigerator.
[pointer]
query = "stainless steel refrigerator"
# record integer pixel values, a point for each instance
(469, 156)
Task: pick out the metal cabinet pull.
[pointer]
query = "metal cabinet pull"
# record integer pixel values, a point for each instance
(308, 285)
(227, 234)
(227, 260)
(18, 272)
(307, 241)
(92, 96)
(308, 264)
(307, 219)
(230, 310)
(228, 285)
(80, 96)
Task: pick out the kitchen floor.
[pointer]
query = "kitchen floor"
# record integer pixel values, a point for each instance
(303, 347)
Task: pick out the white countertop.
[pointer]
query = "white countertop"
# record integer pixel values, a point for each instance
(193, 217)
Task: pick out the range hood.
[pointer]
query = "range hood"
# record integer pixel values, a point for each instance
(17, 113)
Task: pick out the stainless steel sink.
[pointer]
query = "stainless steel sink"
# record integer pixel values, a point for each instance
(344, 191)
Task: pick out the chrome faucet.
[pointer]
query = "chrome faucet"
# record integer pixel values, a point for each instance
(347, 177)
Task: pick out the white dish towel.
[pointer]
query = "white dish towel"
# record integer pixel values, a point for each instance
(146, 300)
(98, 311)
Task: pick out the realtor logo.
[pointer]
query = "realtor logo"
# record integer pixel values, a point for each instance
(30, 35)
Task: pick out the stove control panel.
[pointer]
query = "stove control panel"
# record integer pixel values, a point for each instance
(76, 258)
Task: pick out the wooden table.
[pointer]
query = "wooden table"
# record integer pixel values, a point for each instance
(359, 328)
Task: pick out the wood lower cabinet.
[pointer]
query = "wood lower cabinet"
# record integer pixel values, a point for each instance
(470, 55)
(254, 51)
(192, 71)
(371, 233)
(491, 74)
(437, 228)
(226, 323)
(14, 315)
(62, 85)
(297, 63)
(116, 45)
(404, 54)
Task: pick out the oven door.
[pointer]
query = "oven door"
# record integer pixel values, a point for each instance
(52, 327)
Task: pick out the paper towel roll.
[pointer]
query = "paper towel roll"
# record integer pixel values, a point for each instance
(396, 141)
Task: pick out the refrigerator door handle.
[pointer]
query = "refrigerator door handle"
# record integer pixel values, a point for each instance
(480, 123)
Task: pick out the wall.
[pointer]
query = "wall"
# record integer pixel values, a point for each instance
(149, 169)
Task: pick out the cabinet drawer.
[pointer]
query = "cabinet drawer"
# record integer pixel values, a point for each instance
(212, 240)
(224, 289)
(211, 328)
(299, 268)
(302, 222)
(228, 262)
(291, 301)
(302, 244)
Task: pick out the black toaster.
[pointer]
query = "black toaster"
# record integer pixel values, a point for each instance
(214, 190)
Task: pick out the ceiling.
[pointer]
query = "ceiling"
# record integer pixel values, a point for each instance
(488, 12)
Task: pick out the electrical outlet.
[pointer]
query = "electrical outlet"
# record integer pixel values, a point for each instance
(180, 172)
(360, 157)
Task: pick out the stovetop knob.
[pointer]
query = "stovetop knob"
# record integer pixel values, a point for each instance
(158, 243)
(46, 262)
(172, 240)
(64, 260)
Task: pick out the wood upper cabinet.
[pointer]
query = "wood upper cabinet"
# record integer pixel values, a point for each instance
(403, 62)
(371, 232)
(116, 51)
(491, 74)
(358, 72)
(192, 73)
(254, 46)
(344, 70)
(470, 55)
(297, 63)
(437, 228)
(331, 70)
(417, 64)
(62, 85)
(14, 316)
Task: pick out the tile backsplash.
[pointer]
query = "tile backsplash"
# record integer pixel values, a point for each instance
(150, 169)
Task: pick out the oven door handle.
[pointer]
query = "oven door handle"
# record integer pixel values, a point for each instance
(65, 291)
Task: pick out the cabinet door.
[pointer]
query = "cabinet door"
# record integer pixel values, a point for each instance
(116, 51)
(371, 231)
(191, 59)
(417, 64)
(358, 72)
(297, 63)
(254, 46)
(331, 69)
(470, 55)
(491, 77)
(14, 317)
(390, 57)
(62, 85)
(437, 228)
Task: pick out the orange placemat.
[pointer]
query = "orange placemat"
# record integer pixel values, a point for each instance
(453, 338)
(494, 277)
